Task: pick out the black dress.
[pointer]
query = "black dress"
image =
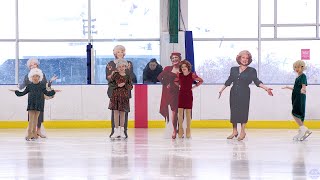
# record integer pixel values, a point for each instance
(25, 83)
(35, 96)
(298, 99)
(240, 92)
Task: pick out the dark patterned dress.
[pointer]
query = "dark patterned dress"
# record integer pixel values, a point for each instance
(35, 96)
(298, 99)
(240, 92)
(169, 95)
(24, 84)
(185, 91)
(120, 95)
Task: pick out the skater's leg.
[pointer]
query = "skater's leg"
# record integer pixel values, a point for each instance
(234, 131)
(180, 119)
(122, 121)
(40, 121)
(35, 123)
(243, 132)
(188, 117)
(175, 124)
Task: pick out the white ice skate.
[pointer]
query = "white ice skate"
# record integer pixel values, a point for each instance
(298, 136)
(305, 135)
(122, 135)
(116, 133)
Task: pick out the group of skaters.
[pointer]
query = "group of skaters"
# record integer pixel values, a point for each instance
(178, 82)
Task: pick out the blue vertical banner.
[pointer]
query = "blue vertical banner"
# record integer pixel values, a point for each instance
(89, 49)
(189, 48)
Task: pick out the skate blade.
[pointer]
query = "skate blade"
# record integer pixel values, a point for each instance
(305, 136)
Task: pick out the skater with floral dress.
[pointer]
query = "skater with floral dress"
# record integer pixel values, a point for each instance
(119, 101)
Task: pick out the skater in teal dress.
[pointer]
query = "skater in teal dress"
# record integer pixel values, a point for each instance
(298, 99)
(35, 91)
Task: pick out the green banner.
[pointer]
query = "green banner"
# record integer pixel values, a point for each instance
(174, 20)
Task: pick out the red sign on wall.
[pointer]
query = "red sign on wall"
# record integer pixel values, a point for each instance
(305, 54)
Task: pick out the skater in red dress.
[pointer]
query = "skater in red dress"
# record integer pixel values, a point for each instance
(170, 92)
(185, 80)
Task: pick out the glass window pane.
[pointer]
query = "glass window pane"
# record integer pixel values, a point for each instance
(267, 11)
(286, 32)
(278, 57)
(267, 32)
(7, 19)
(66, 60)
(213, 60)
(53, 19)
(126, 19)
(296, 11)
(217, 19)
(139, 53)
(7, 63)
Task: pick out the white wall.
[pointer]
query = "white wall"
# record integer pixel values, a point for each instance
(90, 102)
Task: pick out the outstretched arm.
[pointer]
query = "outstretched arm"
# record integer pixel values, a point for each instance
(48, 93)
(26, 91)
(287, 87)
(269, 90)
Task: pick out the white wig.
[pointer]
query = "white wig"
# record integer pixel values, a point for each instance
(119, 47)
(121, 62)
(35, 60)
(35, 71)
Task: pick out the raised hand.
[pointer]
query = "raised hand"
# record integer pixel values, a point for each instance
(269, 90)
(54, 77)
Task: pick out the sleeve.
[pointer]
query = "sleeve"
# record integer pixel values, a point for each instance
(26, 91)
(24, 83)
(230, 79)
(129, 85)
(162, 75)
(48, 93)
(111, 86)
(255, 79)
(199, 80)
(304, 79)
(107, 72)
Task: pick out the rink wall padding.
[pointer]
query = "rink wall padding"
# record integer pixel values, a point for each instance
(86, 106)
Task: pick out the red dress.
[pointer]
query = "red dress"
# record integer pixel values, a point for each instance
(185, 91)
(169, 95)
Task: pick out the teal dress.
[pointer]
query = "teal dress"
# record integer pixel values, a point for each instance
(35, 96)
(298, 99)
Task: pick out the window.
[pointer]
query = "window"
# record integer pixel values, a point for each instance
(116, 19)
(46, 19)
(213, 60)
(66, 60)
(7, 62)
(296, 11)
(223, 19)
(267, 11)
(7, 19)
(139, 53)
(278, 57)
